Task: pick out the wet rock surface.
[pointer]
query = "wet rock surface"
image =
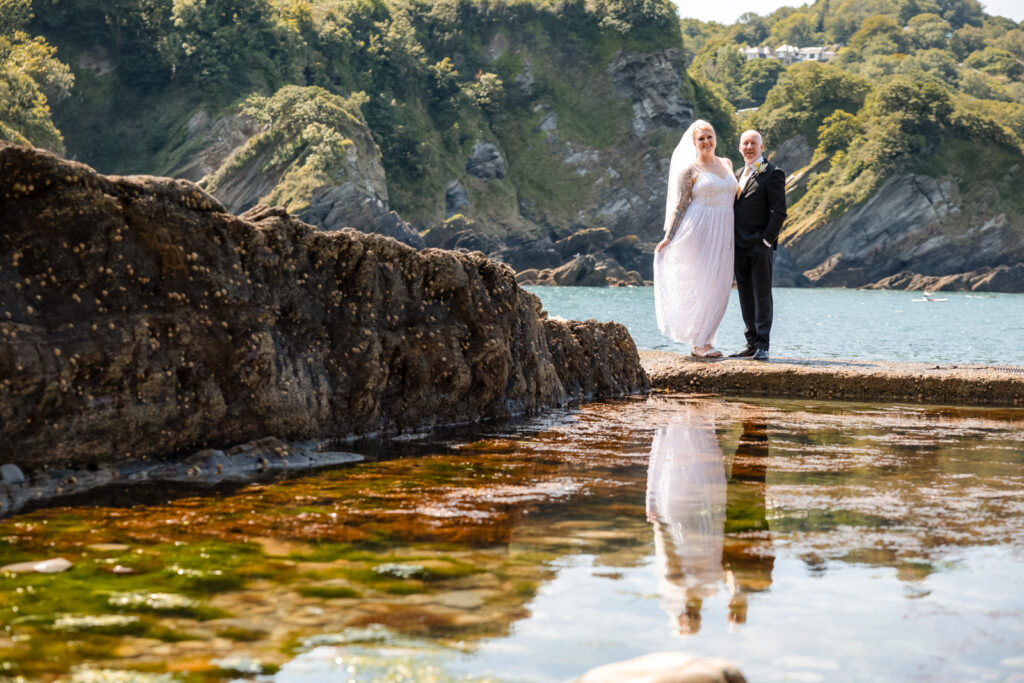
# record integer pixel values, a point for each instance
(666, 667)
(838, 380)
(262, 460)
(138, 319)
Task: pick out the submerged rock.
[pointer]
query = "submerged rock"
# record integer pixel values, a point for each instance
(139, 319)
(11, 474)
(666, 667)
(52, 566)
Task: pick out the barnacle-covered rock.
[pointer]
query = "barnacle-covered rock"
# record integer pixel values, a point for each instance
(139, 319)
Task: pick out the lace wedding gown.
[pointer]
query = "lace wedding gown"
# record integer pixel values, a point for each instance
(693, 273)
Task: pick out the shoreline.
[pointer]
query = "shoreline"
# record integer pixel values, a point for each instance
(965, 384)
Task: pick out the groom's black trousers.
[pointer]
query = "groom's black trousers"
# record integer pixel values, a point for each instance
(753, 270)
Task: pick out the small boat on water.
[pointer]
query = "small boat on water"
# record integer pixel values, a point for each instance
(929, 298)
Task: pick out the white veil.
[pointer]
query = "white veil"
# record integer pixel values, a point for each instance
(684, 155)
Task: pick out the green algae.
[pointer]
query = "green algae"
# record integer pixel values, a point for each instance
(329, 592)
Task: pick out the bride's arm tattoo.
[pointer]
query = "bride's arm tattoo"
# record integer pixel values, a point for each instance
(686, 179)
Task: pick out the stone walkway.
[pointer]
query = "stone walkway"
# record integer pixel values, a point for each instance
(846, 380)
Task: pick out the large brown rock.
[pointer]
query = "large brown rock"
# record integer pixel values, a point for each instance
(139, 319)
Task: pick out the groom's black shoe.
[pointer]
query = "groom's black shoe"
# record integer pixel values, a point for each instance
(760, 354)
(747, 352)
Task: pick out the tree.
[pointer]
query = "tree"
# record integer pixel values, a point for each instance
(967, 40)
(836, 132)
(225, 44)
(799, 28)
(960, 13)
(805, 94)
(928, 31)
(14, 16)
(720, 62)
(488, 92)
(29, 69)
(938, 63)
(757, 77)
(996, 62)
(982, 86)
(908, 9)
(1013, 42)
(628, 15)
(915, 110)
(751, 29)
(845, 17)
(879, 35)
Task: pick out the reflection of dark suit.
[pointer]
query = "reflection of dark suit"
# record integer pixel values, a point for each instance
(748, 560)
(759, 212)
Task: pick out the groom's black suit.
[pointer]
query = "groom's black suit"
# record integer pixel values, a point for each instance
(759, 211)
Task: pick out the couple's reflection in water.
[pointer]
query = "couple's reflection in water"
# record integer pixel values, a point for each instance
(706, 503)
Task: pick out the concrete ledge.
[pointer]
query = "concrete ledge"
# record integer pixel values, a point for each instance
(841, 380)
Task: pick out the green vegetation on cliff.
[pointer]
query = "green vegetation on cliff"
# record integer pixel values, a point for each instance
(434, 79)
(525, 116)
(913, 79)
(28, 72)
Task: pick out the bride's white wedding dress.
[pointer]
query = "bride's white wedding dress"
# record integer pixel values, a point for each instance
(686, 501)
(693, 273)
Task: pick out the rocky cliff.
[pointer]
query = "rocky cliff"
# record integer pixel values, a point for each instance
(914, 233)
(139, 319)
(495, 179)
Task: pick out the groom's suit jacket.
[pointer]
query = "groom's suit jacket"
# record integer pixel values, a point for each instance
(760, 208)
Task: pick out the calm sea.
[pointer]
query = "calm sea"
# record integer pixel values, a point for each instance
(832, 323)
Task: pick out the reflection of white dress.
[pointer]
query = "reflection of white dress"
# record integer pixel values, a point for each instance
(693, 273)
(686, 497)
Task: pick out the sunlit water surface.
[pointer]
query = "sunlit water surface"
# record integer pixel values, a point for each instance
(807, 542)
(832, 323)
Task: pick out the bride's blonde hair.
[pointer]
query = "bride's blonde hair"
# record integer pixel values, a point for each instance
(698, 125)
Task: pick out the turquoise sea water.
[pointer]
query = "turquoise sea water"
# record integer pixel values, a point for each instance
(832, 323)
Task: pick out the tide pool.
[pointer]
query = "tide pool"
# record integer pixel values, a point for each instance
(832, 323)
(803, 540)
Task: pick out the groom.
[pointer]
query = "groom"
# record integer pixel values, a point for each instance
(759, 210)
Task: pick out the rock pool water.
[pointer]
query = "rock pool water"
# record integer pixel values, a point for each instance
(804, 541)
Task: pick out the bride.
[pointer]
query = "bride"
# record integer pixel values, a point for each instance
(693, 265)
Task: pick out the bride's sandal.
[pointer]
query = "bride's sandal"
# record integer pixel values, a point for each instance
(708, 352)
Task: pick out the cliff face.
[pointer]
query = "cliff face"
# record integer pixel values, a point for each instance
(139, 319)
(494, 182)
(496, 178)
(914, 233)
